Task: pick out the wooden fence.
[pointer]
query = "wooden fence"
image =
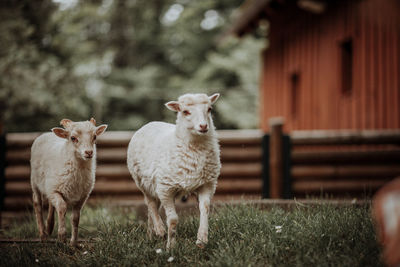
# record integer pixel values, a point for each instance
(334, 163)
(254, 165)
(241, 155)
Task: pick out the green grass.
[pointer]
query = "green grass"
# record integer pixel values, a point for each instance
(239, 236)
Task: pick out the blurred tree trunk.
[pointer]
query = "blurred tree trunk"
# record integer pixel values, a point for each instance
(121, 40)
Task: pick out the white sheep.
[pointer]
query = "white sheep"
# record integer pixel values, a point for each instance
(168, 161)
(63, 165)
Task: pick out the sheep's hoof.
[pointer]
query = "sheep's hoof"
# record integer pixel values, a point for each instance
(200, 244)
(161, 235)
(170, 244)
(43, 237)
(62, 238)
(74, 243)
(160, 231)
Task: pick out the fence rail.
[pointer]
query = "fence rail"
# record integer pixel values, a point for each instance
(345, 137)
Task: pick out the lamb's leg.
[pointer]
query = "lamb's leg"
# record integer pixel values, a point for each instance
(75, 216)
(50, 219)
(37, 205)
(205, 194)
(61, 207)
(154, 219)
(168, 202)
(150, 224)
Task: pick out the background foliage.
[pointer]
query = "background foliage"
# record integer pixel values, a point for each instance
(120, 61)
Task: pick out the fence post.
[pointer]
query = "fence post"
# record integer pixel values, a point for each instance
(276, 157)
(265, 166)
(2, 172)
(287, 165)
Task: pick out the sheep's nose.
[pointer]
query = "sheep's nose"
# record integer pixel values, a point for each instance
(203, 128)
(89, 153)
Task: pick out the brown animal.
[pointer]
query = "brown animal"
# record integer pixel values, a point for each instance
(386, 211)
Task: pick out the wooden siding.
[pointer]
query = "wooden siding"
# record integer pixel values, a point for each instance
(309, 45)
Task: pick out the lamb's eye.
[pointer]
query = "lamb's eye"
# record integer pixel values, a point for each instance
(94, 138)
(74, 139)
(186, 112)
(209, 109)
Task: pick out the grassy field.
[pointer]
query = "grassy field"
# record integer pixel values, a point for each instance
(239, 236)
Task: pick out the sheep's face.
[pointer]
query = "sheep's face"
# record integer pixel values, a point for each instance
(81, 136)
(194, 112)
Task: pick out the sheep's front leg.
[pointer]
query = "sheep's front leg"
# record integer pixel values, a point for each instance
(75, 216)
(168, 202)
(205, 194)
(61, 208)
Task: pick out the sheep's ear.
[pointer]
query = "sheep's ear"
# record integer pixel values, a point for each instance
(173, 105)
(101, 129)
(65, 122)
(93, 121)
(214, 98)
(60, 132)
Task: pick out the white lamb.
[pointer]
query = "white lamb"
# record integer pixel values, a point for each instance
(63, 165)
(167, 161)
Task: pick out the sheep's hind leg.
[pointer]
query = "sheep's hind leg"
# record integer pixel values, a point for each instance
(37, 205)
(204, 198)
(168, 202)
(50, 219)
(154, 221)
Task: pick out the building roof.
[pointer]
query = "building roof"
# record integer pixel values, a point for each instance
(252, 11)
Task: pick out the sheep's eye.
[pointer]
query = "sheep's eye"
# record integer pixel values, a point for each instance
(74, 139)
(209, 109)
(186, 112)
(94, 138)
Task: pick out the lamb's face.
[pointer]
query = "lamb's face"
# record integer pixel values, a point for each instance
(81, 136)
(194, 112)
(83, 139)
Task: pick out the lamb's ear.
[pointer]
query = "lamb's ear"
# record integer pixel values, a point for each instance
(214, 98)
(65, 122)
(101, 129)
(173, 105)
(93, 121)
(60, 132)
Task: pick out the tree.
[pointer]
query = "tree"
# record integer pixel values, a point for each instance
(37, 84)
(120, 61)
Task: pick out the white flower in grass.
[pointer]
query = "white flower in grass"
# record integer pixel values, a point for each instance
(170, 259)
(158, 251)
(86, 252)
(37, 260)
(278, 228)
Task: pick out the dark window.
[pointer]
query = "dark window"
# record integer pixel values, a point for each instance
(346, 48)
(294, 91)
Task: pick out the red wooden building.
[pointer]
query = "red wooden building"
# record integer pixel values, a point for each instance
(328, 64)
